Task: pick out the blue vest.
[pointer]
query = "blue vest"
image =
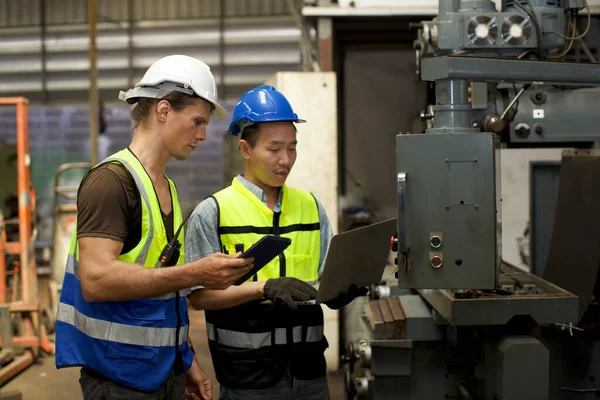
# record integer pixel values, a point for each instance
(134, 343)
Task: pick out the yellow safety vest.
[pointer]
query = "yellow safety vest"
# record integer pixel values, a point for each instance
(244, 219)
(252, 345)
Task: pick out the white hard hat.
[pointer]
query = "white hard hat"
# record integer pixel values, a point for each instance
(177, 73)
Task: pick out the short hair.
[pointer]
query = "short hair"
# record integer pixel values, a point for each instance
(250, 133)
(143, 108)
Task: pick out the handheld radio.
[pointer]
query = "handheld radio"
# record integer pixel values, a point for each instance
(170, 254)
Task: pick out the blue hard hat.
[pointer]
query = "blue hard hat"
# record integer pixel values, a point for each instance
(261, 104)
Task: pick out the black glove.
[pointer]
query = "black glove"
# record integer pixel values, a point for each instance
(288, 290)
(346, 298)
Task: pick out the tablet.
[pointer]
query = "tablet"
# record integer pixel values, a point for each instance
(263, 251)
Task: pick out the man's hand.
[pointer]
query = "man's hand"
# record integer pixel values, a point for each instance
(197, 384)
(346, 298)
(289, 290)
(219, 271)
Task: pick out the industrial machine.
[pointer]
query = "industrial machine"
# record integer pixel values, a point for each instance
(460, 323)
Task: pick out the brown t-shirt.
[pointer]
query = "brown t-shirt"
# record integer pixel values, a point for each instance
(108, 206)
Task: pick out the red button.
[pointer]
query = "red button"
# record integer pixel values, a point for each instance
(436, 261)
(394, 243)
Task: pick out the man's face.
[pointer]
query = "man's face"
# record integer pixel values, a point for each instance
(274, 154)
(185, 128)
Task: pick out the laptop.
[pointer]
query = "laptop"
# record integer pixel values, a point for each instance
(355, 257)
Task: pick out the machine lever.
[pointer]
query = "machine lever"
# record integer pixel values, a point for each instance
(401, 240)
(512, 103)
(596, 391)
(401, 216)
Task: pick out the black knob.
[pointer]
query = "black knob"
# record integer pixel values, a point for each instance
(538, 97)
(522, 130)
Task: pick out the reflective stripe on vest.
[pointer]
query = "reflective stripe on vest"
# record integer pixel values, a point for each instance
(245, 340)
(120, 333)
(240, 338)
(131, 342)
(244, 219)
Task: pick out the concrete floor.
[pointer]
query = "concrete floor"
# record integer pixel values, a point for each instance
(42, 381)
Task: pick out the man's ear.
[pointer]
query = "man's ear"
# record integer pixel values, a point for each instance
(163, 108)
(245, 149)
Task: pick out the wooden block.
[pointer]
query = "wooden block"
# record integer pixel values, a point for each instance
(506, 283)
(386, 318)
(525, 282)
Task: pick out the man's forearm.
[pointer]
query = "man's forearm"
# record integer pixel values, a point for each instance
(190, 342)
(205, 299)
(124, 281)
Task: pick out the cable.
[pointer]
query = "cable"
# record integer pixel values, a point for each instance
(533, 18)
(571, 41)
(354, 180)
(523, 54)
(586, 29)
(586, 49)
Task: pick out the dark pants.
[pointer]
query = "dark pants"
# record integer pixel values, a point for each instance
(95, 387)
(288, 388)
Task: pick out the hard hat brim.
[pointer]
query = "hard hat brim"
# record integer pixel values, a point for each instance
(235, 130)
(219, 113)
(131, 96)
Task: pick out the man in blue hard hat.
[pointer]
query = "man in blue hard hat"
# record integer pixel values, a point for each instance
(273, 349)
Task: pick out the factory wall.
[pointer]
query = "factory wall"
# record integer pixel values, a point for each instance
(44, 44)
(382, 97)
(44, 57)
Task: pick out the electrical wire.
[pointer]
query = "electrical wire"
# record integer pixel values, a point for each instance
(523, 54)
(536, 24)
(586, 29)
(586, 50)
(570, 45)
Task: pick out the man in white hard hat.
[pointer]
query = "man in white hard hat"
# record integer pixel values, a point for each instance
(122, 315)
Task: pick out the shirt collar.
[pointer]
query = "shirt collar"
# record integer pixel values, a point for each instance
(258, 192)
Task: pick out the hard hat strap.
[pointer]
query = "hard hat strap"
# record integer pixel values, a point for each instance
(154, 92)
